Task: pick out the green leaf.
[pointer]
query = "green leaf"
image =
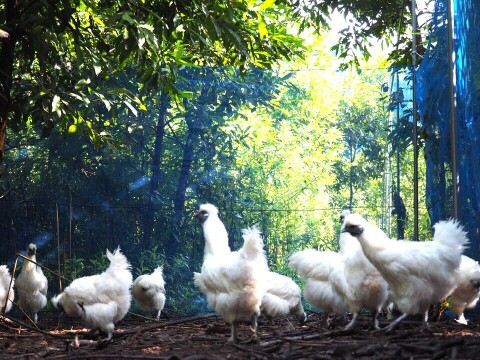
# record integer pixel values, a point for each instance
(266, 4)
(131, 107)
(104, 100)
(56, 105)
(98, 68)
(126, 16)
(82, 82)
(262, 27)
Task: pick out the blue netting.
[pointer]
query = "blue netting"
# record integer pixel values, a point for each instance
(433, 104)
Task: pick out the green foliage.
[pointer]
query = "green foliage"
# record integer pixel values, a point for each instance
(149, 260)
(98, 264)
(286, 150)
(75, 268)
(71, 58)
(183, 297)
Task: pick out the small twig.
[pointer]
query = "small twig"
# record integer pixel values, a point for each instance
(302, 339)
(43, 267)
(31, 327)
(169, 323)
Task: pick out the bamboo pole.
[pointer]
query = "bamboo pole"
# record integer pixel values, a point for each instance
(414, 114)
(60, 285)
(453, 106)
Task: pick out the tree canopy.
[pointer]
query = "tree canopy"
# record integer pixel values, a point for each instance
(76, 65)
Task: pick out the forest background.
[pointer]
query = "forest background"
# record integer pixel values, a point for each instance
(118, 120)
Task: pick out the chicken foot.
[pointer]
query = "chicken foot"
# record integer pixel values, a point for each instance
(233, 337)
(253, 327)
(394, 323)
(352, 322)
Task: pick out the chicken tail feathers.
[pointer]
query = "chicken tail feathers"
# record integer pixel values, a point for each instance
(252, 242)
(198, 281)
(312, 263)
(158, 271)
(4, 273)
(56, 301)
(451, 234)
(118, 261)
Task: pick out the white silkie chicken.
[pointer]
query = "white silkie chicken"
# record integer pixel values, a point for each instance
(343, 281)
(6, 290)
(148, 290)
(282, 297)
(233, 281)
(100, 300)
(324, 281)
(366, 288)
(467, 292)
(32, 285)
(418, 273)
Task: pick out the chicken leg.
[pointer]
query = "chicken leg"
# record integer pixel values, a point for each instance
(233, 337)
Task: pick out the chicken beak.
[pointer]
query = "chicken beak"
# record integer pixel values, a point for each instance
(354, 230)
(202, 216)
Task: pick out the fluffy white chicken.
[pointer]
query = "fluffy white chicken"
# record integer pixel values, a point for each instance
(282, 297)
(148, 290)
(100, 300)
(233, 281)
(343, 281)
(467, 292)
(324, 280)
(418, 273)
(366, 288)
(5, 280)
(32, 285)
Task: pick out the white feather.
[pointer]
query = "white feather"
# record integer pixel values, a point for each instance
(5, 279)
(282, 297)
(323, 274)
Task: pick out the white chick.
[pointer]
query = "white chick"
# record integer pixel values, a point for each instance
(5, 289)
(283, 297)
(418, 273)
(148, 290)
(100, 300)
(366, 288)
(234, 282)
(32, 285)
(467, 292)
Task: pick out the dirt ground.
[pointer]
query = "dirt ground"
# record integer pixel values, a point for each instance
(205, 337)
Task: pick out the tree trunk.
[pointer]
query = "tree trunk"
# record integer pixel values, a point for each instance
(149, 217)
(180, 194)
(6, 74)
(197, 121)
